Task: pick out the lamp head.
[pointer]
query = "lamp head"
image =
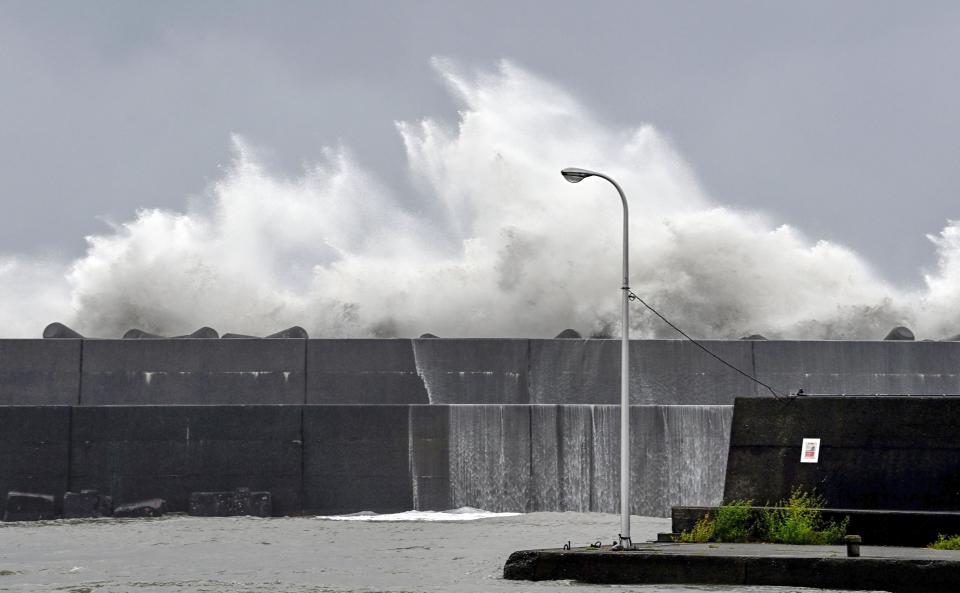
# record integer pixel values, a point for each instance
(575, 175)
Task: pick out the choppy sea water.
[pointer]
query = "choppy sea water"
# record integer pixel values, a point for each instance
(461, 551)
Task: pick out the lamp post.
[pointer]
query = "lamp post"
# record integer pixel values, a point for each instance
(574, 175)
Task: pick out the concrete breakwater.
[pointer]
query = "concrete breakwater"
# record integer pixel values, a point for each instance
(386, 425)
(386, 458)
(82, 372)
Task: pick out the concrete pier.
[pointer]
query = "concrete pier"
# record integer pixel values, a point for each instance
(897, 570)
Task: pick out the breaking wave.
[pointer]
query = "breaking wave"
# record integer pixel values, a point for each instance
(493, 243)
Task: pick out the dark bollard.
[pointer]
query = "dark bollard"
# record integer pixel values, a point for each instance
(853, 545)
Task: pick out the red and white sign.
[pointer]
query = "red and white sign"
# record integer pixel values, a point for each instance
(810, 451)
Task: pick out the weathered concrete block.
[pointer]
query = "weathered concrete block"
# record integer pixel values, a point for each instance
(86, 504)
(363, 372)
(193, 371)
(40, 372)
(57, 330)
(661, 372)
(154, 507)
(860, 368)
(34, 449)
(474, 371)
(210, 504)
(291, 333)
(261, 504)
(875, 452)
(239, 502)
(136, 452)
(29, 506)
(356, 458)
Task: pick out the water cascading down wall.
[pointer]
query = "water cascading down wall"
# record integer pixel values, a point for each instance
(347, 425)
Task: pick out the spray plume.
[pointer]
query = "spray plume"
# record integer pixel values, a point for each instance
(338, 253)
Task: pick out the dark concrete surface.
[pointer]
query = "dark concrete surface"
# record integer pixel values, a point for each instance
(347, 458)
(40, 372)
(29, 506)
(430, 457)
(457, 371)
(34, 450)
(895, 453)
(140, 452)
(363, 372)
(474, 371)
(86, 505)
(356, 458)
(835, 367)
(898, 570)
(152, 507)
(192, 371)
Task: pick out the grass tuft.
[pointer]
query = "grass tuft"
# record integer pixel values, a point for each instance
(946, 542)
(797, 520)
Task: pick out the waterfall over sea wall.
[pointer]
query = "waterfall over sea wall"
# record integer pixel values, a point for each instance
(566, 457)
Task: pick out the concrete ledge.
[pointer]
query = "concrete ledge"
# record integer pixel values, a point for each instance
(897, 570)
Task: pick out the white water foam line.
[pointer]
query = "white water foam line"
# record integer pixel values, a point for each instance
(461, 514)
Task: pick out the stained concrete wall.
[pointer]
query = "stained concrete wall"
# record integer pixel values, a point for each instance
(139, 452)
(457, 371)
(356, 458)
(346, 458)
(34, 450)
(363, 372)
(202, 372)
(876, 452)
(40, 372)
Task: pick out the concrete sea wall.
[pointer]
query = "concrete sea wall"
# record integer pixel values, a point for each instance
(900, 453)
(348, 458)
(455, 371)
(347, 425)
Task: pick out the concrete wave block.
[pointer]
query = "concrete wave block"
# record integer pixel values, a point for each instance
(139, 334)
(291, 333)
(86, 504)
(29, 506)
(239, 502)
(900, 333)
(59, 330)
(153, 507)
(204, 333)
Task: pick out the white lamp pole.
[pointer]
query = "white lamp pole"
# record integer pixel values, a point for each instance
(574, 175)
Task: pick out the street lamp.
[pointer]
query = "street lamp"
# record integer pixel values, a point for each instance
(574, 175)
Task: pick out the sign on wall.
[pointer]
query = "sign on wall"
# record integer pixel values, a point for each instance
(810, 451)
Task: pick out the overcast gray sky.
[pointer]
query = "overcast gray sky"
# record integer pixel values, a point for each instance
(839, 118)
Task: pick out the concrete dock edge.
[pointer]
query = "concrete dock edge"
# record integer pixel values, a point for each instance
(916, 573)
